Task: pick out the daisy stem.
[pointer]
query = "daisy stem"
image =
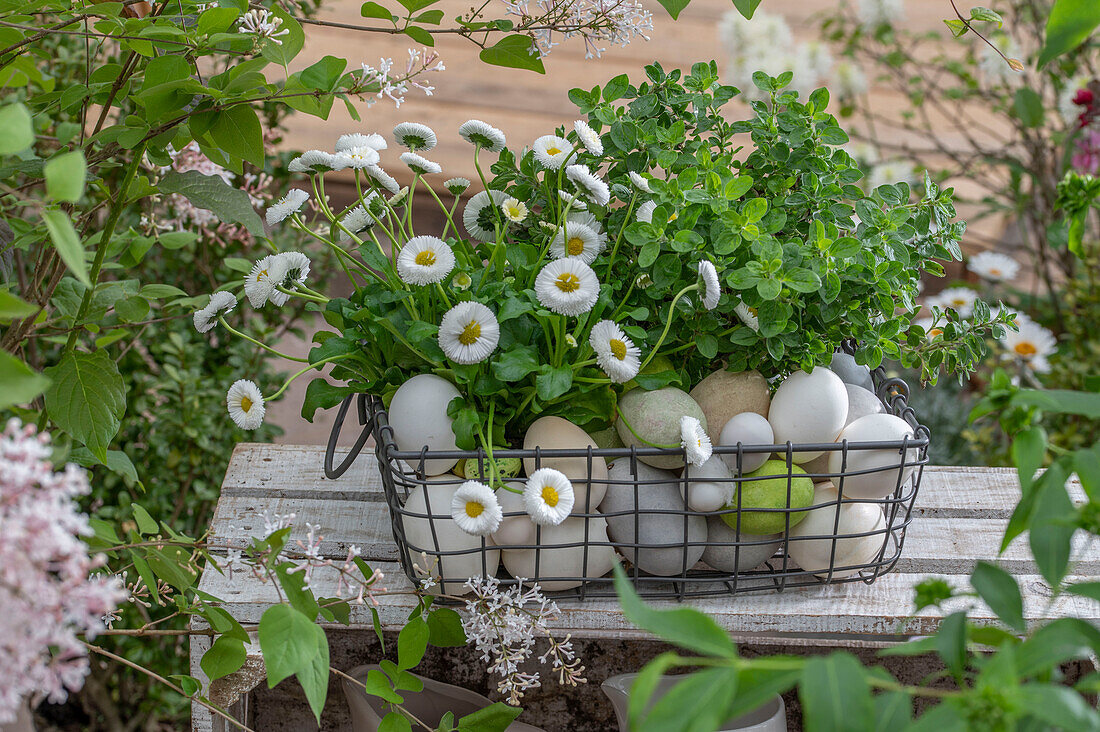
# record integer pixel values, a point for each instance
(450, 222)
(307, 369)
(311, 296)
(366, 207)
(341, 253)
(642, 439)
(626, 297)
(443, 294)
(409, 205)
(250, 339)
(619, 238)
(668, 324)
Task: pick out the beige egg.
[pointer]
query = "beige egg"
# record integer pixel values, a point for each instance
(855, 518)
(555, 433)
(555, 559)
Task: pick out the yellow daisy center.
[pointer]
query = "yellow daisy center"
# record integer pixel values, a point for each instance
(470, 333)
(550, 496)
(1025, 349)
(568, 282)
(246, 404)
(425, 258)
(933, 332)
(261, 275)
(553, 150)
(575, 247)
(474, 509)
(673, 217)
(618, 348)
(995, 271)
(959, 301)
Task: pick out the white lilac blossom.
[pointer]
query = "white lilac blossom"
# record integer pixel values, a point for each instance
(263, 24)
(420, 165)
(567, 286)
(591, 186)
(588, 137)
(207, 317)
(503, 625)
(1032, 343)
(289, 204)
(876, 13)
(353, 140)
(394, 86)
(599, 22)
(552, 152)
(414, 136)
(456, 186)
(575, 240)
(425, 260)
(616, 353)
(961, 299)
(574, 203)
(245, 403)
(891, 171)
(711, 289)
(993, 266)
(514, 210)
(468, 333)
(261, 282)
(640, 182)
(482, 134)
(645, 212)
(694, 440)
(765, 43)
(548, 497)
(849, 81)
(480, 214)
(50, 593)
(475, 509)
(311, 161)
(747, 315)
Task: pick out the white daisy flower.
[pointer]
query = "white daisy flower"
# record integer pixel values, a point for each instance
(245, 404)
(1032, 343)
(360, 158)
(931, 330)
(220, 304)
(552, 152)
(482, 134)
(640, 183)
(645, 212)
(457, 186)
(425, 260)
(398, 198)
(259, 285)
(289, 204)
(475, 509)
(694, 440)
(993, 266)
(961, 299)
(468, 332)
(575, 204)
(414, 136)
(355, 221)
(576, 240)
(295, 269)
(588, 137)
(311, 161)
(711, 289)
(616, 353)
(514, 210)
(567, 286)
(548, 497)
(383, 179)
(353, 140)
(592, 187)
(479, 216)
(747, 315)
(420, 165)
(589, 220)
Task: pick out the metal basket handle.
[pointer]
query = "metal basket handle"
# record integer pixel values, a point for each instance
(334, 436)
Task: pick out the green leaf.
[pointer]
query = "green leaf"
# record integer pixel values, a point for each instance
(445, 628)
(495, 718)
(374, 10)
(645, 683)
(395, 722)
(514, 51)
(189, 684)
(314, 676)
(893, 711)
(420, 35)
(297, 594)
(950, 642)
(1000, 591)
(145, 523)
(746, 7)
(322, 395)
(65, 175)
(67, 243)
(238, 132)
(1029, 107)
(802, 280)
(1071, 22)
(288, 641)
(413, 5)
(1060, 401)
(1060, 706)
(1052, 529)
(224, 657)
(16, 129)
(412, 642)
(698, 703)
(674, 7)
(835, 694)
(12, 308)
(515, 363)
(210, 192)
(379, 685)
(19, 383)
(681, 626)
(552, 382)
(87, 399)
(283, 53)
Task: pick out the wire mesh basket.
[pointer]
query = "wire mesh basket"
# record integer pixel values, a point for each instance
(634, 514)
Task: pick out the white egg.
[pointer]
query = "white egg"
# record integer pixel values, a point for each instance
(563, 553)
(515, 530)
(885, 464)
(454, 569)
(418, 416)
(704, 493)
(851, 551)
(809, 408)
(748, 428)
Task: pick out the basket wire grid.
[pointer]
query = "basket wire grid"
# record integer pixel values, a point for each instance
(403, 473)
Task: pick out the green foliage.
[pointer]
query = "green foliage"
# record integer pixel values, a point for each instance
(1070, 23)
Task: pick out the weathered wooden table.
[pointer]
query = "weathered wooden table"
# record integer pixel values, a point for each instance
(960, 516)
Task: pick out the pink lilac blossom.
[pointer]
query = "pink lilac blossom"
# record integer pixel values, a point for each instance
(395, 86)
(48, 595)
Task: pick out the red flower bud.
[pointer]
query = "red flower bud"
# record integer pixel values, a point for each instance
(1083, 97)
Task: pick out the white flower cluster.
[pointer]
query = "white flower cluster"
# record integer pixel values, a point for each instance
(261, 23)
(48, 594)
(396, 86)
(766, 44)
(503, 629)
(601, 23)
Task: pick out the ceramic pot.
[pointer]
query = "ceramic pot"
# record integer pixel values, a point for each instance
(771, 717)
(428, 705)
